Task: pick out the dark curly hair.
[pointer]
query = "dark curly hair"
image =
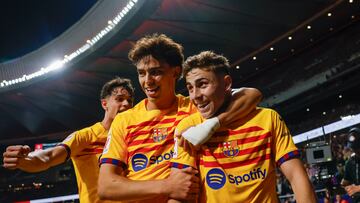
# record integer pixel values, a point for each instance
(114, 83)
(159, 46)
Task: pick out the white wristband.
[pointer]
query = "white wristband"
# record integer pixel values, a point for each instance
(201, 133)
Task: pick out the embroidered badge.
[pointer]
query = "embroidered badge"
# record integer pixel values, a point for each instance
(230, 148)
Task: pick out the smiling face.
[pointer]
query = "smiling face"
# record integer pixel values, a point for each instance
(157, 80)
(207, 90)
(120, 100)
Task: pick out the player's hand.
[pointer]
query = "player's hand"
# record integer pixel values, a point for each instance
(112, 109)
(352, 189)
(14, 154)
(183, 184)
(181, 140)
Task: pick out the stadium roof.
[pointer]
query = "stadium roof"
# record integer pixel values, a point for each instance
(255, 35)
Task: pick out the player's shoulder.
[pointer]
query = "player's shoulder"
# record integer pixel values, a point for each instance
(191, 120)
(132, 113)
(97, 127)
(266, 110)
(87, 134)
(183, 101)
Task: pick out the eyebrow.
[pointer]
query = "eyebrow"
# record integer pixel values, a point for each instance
(151, 68)
(199, 79)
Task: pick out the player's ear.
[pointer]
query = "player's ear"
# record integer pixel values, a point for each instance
(228, 82)
(104, 104)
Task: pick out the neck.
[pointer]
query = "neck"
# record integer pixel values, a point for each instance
(224, 105)
(106, 122)
(161, 105)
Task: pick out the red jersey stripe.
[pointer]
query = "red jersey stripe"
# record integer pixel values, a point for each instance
(181, 113)
(241, 141)
(256, 160)
(154, 148)
(98, 143)
(152, 123)
(241, 151)
(148, 140)
(158, 167)
(236, 132)
(137, 133)
(97, 150)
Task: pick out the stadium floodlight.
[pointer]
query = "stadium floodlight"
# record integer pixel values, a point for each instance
(68, 57)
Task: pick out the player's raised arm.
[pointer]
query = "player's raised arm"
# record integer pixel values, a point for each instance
(21, 157)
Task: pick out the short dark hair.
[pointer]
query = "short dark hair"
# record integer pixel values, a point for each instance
(114, 83)
(159, 46)
(207, 60)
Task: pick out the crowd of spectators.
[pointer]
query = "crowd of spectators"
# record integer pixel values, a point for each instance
(326, 176)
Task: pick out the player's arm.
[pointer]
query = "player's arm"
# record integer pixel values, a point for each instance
(295, 172)
(351, 190)
(113, 185)
(183, 158)
(244, 100)
(173, 201)
(191, 197)
(20, 157)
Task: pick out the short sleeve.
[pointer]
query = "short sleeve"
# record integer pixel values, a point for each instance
(181, 158)
(115, 150)
(283, 144)
(185, 158)
(76, 142)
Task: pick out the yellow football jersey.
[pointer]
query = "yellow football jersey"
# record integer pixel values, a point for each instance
(143, 141)
(238, 163)
(84, 147)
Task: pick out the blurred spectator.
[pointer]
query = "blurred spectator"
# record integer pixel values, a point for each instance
(339, 199)
(347, 153)
(339, 173)
(351, 179)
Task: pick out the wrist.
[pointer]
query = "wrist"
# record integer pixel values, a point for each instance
(214, 123)
(221, 119)
(165, 187)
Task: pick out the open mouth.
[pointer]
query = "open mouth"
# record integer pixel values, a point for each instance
(151, 91)
(203, 106)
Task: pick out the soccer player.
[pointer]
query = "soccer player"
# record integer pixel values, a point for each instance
(83, 147)
(141, 139)
(238, 163)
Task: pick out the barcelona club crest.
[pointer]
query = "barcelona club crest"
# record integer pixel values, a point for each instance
(159, 134)
(230, 148)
